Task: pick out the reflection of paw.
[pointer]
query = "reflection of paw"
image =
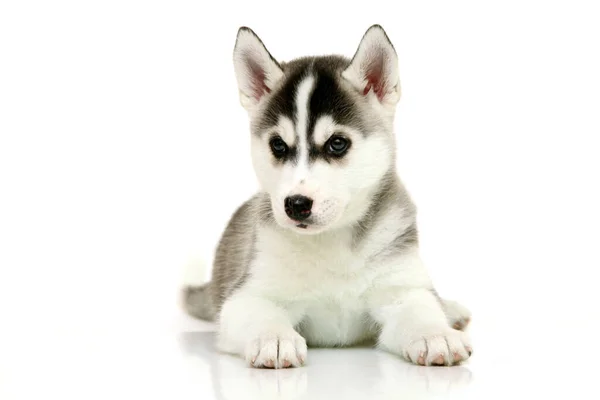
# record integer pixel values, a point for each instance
(234, 382)
(289, 383)
(277, 350)
(445, 348)
(400, 380)
(438, 381)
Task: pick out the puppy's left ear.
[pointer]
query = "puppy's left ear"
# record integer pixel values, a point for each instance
(373, 70)
(256, 70)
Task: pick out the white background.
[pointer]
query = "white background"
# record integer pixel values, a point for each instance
(123, 150)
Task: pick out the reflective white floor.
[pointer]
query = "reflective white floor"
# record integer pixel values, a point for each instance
(181, 363)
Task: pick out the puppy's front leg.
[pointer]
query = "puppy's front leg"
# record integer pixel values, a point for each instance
(413, 323)
(260, 331)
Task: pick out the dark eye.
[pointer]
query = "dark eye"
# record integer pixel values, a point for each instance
(337, 146)
(278, 147)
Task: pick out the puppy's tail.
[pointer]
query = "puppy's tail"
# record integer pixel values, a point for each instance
(196, 299)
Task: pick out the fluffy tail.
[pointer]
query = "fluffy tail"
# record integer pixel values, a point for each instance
(196, 299)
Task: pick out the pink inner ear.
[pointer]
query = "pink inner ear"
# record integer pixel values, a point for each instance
(257, 80)
(375, 84)
(375, 79)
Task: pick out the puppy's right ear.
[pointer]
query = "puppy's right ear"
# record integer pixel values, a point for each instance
(256, 70)
(373, 70)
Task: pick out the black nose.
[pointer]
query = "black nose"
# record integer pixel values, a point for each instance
(298, 207)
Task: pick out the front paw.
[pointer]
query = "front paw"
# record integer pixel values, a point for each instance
(446, 347)
(274, 349)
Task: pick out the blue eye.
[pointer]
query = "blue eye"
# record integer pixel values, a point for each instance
(337, 146)
(278, 147)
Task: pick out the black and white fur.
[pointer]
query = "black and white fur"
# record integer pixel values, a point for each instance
(350, 272)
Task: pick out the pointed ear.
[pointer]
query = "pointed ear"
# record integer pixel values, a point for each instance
(373, 70)
(256, 70)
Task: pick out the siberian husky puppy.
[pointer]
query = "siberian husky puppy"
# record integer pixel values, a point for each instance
(326, 253)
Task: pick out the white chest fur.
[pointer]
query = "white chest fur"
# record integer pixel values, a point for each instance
(320, 280)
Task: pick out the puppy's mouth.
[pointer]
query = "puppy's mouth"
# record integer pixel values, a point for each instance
(308, 227)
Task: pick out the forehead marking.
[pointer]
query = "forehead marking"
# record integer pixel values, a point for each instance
(323, 129)
(285, 128)
(303, 95)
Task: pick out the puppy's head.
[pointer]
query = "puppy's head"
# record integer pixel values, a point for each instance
(321, 128)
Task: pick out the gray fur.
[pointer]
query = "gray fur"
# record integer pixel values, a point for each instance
(409, 237)
(232, 258)
(391, 193)
(198, 303)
